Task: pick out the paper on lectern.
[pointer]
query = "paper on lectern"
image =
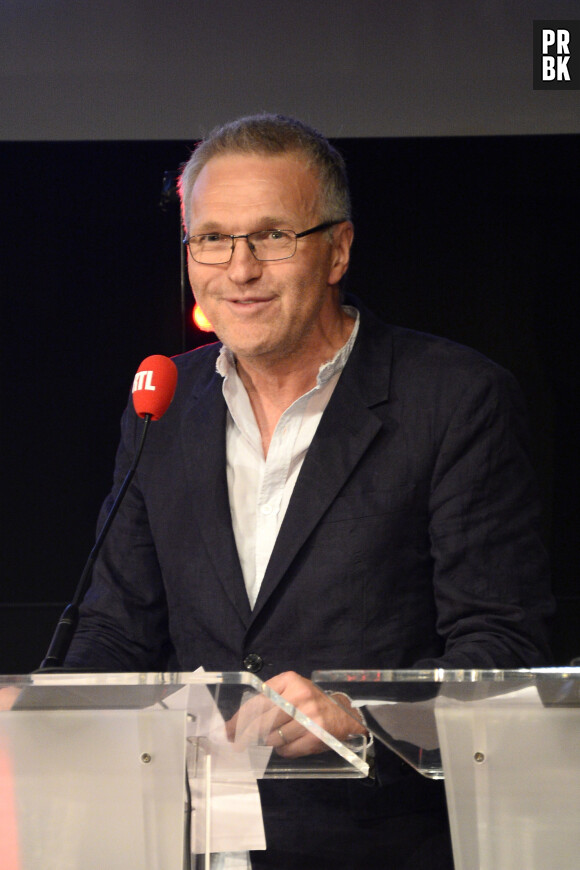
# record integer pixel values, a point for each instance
(232, 772)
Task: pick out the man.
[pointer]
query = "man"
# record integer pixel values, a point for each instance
(325, 491)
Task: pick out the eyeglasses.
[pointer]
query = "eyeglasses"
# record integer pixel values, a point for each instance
(214, 249)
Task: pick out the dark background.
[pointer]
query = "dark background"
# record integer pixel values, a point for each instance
(150, 70)
(472, 238)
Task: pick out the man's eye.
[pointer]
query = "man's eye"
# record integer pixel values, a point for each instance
(275, 235)
(210, 237)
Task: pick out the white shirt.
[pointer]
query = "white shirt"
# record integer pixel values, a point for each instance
(260, 488)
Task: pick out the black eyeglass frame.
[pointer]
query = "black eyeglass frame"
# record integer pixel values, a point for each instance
(317, 229)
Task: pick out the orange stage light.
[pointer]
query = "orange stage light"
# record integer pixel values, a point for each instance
(200, 320)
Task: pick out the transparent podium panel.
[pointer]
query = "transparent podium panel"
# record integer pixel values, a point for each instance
(507, 744)
(142, 771)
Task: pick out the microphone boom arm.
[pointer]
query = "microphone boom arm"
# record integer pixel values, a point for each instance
(67, 624)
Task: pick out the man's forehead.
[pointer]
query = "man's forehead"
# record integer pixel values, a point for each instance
(286, 168)
(277, 183)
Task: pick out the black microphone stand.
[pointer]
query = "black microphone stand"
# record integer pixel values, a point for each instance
(63, 634)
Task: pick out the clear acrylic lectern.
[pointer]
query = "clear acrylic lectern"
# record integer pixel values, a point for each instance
(142, 771)
(507, 744)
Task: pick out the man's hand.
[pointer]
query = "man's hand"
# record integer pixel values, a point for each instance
(274, 727)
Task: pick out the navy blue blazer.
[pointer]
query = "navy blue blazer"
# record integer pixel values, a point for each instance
(411, 539)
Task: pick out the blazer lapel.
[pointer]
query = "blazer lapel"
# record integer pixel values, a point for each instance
(203, 442)
(347, 428)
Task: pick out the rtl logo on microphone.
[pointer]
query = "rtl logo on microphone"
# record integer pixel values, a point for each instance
(143, 381)
(556, 55)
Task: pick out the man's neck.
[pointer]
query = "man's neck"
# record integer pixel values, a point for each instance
(275, 384)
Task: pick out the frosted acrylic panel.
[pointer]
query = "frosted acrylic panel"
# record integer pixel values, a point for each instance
(84, 798)
(507, 744)
(512, 779)
(101, 770)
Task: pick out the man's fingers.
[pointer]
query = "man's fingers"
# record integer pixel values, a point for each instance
(261, 721)
(255, 721)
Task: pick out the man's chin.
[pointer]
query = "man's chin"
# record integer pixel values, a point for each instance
(248, 343)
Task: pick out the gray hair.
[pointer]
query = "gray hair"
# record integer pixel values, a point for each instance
(274, 135)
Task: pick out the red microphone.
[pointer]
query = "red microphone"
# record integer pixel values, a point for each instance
(154, 386)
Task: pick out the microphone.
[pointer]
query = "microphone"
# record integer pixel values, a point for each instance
(153, 390)
(153, 386)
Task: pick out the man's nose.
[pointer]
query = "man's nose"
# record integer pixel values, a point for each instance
(243, 266)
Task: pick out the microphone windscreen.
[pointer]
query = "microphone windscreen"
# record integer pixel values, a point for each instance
(154, 385)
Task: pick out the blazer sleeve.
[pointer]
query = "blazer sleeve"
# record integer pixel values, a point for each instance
(491, 576)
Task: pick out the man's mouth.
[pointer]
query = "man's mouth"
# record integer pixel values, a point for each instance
(256, 300)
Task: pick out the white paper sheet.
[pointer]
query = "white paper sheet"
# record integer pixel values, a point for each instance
(235, 809)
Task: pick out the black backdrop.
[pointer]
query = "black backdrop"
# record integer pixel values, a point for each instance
(472, 238)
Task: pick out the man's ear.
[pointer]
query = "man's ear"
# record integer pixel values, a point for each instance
(342, 236)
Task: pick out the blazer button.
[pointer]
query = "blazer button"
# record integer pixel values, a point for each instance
(253, 663)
